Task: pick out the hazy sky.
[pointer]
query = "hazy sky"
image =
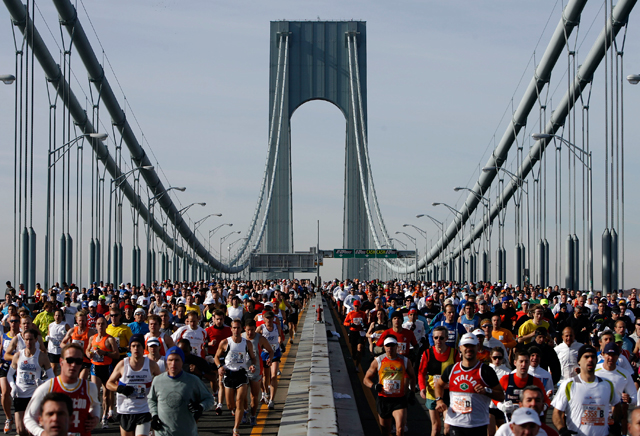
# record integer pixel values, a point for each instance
(443, 81)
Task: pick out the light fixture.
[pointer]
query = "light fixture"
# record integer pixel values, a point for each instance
(634, 79)
(8, 79)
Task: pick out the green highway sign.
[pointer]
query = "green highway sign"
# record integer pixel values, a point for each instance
(341, 253)
(386, 254)
(365, 254)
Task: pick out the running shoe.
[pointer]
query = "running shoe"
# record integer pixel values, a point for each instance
(271, 405)
(219, 409)
(253, 421)
(264, 398)
(105, 423)
(233, 412)
(245, 417)
(236, 432)
(7, 426)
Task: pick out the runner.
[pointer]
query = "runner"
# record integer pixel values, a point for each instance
(622, 382)
(234, 370)
(524, 422)
(102, 349)
(433, 363)
(164, 339)
(55, 414)
(131, 379)
(216, 333)
(196, 335)
(355, 320)
(567, 353)
(153, 350)
(392, 376)
(80, 335)
(260, 344)
(472, 386)
(57, 331)
(404, 337)
(274, 336)
(7, 337)
(178, 397)
(27, 366)
(83, 393)
(583, 401)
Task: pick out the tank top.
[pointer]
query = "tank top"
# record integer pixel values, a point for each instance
(6, 340)
(435, 368)
(141, 382)
(512, 392)
(81, 339)
(272, 336)
(21, 344)
(81, 403)
(56, 335)
(468, 409)
(236, 358)
(255, 342)
(235, 312)
(163, 344)
(28, 374)
(391, 375)
(100, 345)
(260, 320)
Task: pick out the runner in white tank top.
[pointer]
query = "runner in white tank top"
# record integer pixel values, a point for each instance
(131, 379)
(270, 330)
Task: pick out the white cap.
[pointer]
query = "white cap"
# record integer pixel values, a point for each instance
(93, 303)
(209, 300)
(390, 340)
(468, 339)
(139, 310)
(478, 332)
(524, 415)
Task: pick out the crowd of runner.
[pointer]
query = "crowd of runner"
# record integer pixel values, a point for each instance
(492, 358)
(149, 359)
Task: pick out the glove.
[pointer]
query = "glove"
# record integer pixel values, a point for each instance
(125, 390)
(378, 387)
(196, 409)
(156, 424)
(566, 432)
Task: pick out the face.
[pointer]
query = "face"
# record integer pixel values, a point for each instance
(588, 363)
(496, 358)
(219, 320)
(25, 324)
(620, 328)
(250, 330)
(537, 314)
(534, 360)
(101, 326)
(54, 418)
(522, 364)
(568, 336)
(487, 329)
(469, 351)
(449, 314)
(174, 365)
(391, 349)
(115, 318)
(58, 317)
(532, 400)
(154, 326)
(30, 340)
(634, 423)
(495, 321)
(137, 349)
(14, 322)
(71, 370)
(236, 329)
(528, 429)
(192, 322)
(396, 321)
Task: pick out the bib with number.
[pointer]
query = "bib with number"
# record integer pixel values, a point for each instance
(593, 414)
(461, 403)
(391, 387)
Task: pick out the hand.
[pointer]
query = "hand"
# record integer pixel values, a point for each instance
(125, 390)
(156, 424)
(441, 407)
(269, 361)
(196, 409)
(221, 371)
(91, 423)
(252, 368)
(479, 389)
(378, 387)
(423, 394)
(626, 398)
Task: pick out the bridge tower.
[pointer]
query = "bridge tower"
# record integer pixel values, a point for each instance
(310, 60)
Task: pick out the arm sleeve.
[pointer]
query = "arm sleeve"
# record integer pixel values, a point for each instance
(152, 398)
(96, 404)
(32, 412)
(422, 371)
(489, 375)
(11, 377)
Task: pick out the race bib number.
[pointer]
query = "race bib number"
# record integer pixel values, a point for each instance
(81, 343)
(501, 338)
(357, 321)
(141, 391)
(391, 387)
(55, 342)
(275, 347)
(237, 357)
(402, 347)
(28, 379)
(195, 351)
(593, 414)
(97, 357)
(461, 403)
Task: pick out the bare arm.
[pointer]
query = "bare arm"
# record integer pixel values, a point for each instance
(266, 346)
(370, 378)
(558, 419)
(67, 338)
(221, 348)
(112, 383)
(114, 353)
(155, 369)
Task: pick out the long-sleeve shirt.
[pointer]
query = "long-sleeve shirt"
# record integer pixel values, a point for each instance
(169, 398)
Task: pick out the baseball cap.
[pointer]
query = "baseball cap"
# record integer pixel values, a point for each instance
(139, 310)
(175, 350)
(478, 332)
(428, 299)
(611, 348)
(102, 297)
(390, 340)
(153, 341)
(586, 349)
(413, 311)
(544, 301)
(507, 298)
(469, 339)
(485, 321)
(356, 302)
(618, 337)
(396, 314)
(209, 300)
(93, 303)
(524, 415)
(137, 338)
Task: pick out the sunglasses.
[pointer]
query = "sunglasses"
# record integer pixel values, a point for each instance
(391, 345)
(444, 338)
(72, 360)
(497, 357)
(114, 314)
(14, 320)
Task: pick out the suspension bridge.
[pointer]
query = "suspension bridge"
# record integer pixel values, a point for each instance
(537, 172)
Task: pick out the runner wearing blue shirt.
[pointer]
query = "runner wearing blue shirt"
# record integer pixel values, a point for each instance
(455, 329)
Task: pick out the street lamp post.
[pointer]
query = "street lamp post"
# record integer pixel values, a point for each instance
(415, 245)
(423, 233)
(588, 164)
(440, 225)
(212, 231)
(224, 238)
(117, 256)
(62, 150)
(461, 259)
